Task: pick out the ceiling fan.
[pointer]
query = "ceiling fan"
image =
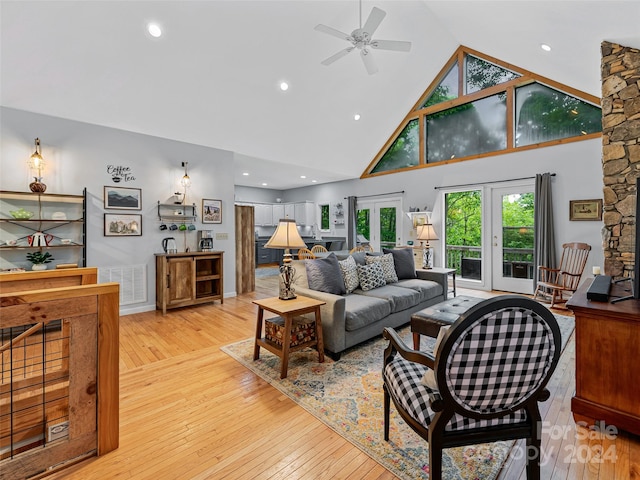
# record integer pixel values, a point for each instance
(361, 38)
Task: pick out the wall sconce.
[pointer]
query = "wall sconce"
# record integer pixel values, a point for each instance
(185, 181)
(36, 162)
(426, 232)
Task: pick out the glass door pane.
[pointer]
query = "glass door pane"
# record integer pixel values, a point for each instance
(512, 239)
(463, 233)
(377, 224)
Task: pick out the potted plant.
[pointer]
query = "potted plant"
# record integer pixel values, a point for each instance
(39, 260)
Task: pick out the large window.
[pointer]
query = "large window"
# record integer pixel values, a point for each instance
(482, 106)
(469, 129)
(404, 152)
(544, 114)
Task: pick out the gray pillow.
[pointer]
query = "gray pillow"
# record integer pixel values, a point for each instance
(324, 275)
(403, 261)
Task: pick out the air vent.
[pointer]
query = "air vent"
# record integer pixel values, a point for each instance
(132, 280)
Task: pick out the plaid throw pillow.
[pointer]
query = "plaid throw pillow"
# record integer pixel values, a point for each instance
(371, 276)
(349, 270)
(388, 266)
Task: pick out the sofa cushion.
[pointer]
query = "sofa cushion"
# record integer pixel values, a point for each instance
(360, 257)
(349, 274)
(426, 288)
(399, 298)
(324, 275)
(403, 261)
(371, 276)
(361, 311)
(388, 267)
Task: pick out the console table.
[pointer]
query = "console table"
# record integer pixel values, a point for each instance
(607, 340)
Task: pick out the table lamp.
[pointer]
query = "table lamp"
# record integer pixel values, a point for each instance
(286, 236)
(426, 232)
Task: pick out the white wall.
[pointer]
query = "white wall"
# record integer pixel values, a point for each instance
(577, 167)
(78, 155)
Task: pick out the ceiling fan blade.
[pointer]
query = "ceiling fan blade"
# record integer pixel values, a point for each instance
(337, 56)
(396, 45)
(369, 62)
(333, 32)
(373, 22)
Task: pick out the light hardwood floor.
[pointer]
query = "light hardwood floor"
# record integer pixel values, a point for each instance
(188, 411)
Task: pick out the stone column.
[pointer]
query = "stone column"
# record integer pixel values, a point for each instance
(620, 72)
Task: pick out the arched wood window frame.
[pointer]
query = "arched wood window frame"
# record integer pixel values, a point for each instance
(509, 87)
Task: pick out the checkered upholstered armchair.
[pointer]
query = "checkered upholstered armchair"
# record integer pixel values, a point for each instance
(483, 380)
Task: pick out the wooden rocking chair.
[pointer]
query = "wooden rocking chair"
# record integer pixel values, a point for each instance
(554, 283)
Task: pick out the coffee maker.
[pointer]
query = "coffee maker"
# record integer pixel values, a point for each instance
(205, 240)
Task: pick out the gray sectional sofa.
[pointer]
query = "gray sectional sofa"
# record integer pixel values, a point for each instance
(351, 318)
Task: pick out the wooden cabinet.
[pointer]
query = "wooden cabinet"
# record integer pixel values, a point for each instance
(57, 219)
(607, 340)
(191, 278)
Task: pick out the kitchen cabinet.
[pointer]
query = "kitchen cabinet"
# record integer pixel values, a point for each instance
(190, 278)
(58, 219)
(263, 214)
(278, 213)
(304, 213)
(290, 210)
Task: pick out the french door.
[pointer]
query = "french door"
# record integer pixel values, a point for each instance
(512, 239)
(489, 237)
(379, 223)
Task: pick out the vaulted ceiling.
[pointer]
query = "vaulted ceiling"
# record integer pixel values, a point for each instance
(213, 77)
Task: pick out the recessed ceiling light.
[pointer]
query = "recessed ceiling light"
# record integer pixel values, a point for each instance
(245, 173)
(545, 47)
(356, 117)
(303, 176)
(314, 181)
(284, 86)
(154, 30)
(264, 184)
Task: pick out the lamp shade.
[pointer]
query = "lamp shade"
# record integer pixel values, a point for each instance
(286, 236)
(427, 232)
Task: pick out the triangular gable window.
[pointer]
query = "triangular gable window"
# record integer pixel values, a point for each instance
(479, 106)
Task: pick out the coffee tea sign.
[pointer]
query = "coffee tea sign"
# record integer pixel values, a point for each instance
(120, 173)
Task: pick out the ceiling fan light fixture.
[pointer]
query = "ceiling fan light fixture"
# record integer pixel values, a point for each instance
(362, 39)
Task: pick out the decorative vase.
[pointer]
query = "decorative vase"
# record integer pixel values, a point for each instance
(39, 266)
(37, 186)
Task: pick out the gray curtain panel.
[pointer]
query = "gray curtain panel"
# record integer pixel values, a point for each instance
(544, 250)
(351, 222)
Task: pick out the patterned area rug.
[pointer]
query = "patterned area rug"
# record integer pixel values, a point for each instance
(347, 396)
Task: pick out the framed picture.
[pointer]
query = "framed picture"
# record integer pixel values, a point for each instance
(418, 219)
(211, 211)
(585, 209)
(122, 225)
(123, 198)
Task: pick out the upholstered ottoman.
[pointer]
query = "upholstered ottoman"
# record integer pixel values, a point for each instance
(429, 320)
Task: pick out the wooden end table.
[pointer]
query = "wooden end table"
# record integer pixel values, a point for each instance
(288, 309)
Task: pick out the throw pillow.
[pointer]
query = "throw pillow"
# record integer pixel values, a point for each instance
(403, 260)
(388, 267)
(349, 270)
(371, 276)
(429, 377)
(324, 275)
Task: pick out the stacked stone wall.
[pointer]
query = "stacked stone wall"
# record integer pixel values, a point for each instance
(620, 154)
